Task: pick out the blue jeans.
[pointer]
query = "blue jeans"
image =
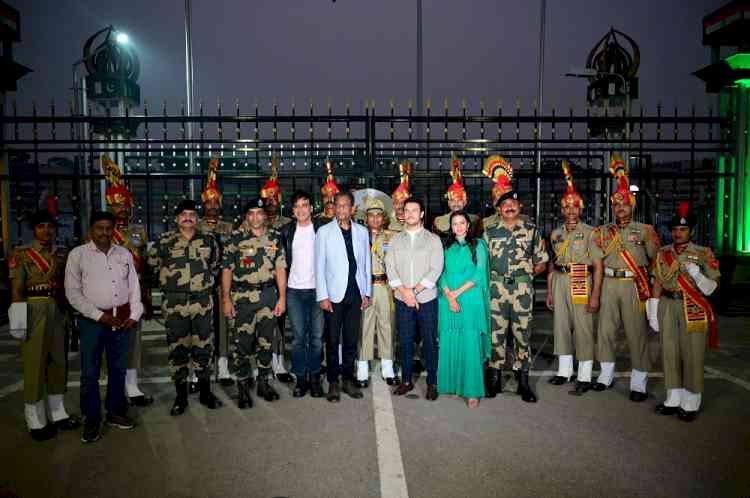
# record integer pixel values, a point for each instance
(306, 318)
(95, 338)
(407, 321)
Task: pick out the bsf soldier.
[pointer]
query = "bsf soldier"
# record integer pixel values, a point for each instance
(378, 318)
(327, 193)
(626, 248)
(456, 196)
(516, 255)
(212, 223)
(271, 196)
(570, 294)
(684, 275)
(134, 239)
(185, 262)
(36, 319)
(254, 289)
(399, 196)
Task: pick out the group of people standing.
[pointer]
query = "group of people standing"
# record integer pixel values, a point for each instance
(466, 286)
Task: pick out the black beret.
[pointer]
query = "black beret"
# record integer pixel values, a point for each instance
(511, 194)
(254, 203)
(186, 205)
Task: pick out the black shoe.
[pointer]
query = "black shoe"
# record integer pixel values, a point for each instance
(285, 377)
(662, 409)
(362, 384)
(316, 389)
(638, 396)
(207, 398)
(581, 388)
(493, 382)
(524, 390)
(265, 390)
(301, 388)
(244, 398)
(686, 416)
(193, 388)
(92, 431)
(68, 424)
(558, 380)
(119, 421)
(141, 400)
(45, 433)
(350, 388)
(432, 393)
(599, 387)
(226, 381)
(392, 381)
(181, 401)
(334, 396)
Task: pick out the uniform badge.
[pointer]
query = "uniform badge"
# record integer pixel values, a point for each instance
(248, 251)
(634, 236)
(579, 236)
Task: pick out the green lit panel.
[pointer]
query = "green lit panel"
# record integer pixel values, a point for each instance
(738, 61)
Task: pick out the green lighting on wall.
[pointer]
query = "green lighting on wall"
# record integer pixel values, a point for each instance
(738, 61)
(744, 83)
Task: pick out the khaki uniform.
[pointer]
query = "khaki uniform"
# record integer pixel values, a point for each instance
(682, 350)
(378, 318)
(394, 225)
(620, 304)
(571, 247)
(223, 231)
(44, 361)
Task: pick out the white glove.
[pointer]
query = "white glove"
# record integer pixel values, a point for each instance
(652, 306)
(18, 318)
(692, 269)
(705, 284)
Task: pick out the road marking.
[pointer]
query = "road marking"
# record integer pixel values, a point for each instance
(718, 374)
(390, 463)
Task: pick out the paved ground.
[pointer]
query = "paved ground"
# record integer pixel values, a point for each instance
(598, 445)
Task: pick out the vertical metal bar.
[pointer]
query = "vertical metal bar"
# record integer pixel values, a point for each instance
(189, 88)
(419, 67)
(540, 95)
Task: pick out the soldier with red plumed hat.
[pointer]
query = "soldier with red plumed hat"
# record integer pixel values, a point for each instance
(457, 200)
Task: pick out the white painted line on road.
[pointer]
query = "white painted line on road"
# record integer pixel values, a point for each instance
(154, 337)
(718, 374)
(390, 463)
(11, 389)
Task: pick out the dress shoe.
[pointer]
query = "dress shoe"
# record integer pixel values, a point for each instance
(244, 400)
(662, 409)
(350, 388)
(122, 421)
(301, 388)
(524, 389)
(316, 388)
(266, 391)
(285, 377)
(181, 401)
(638, 396)
(362, 384)
(334, 396)
(404, 388)
(226, 381)
(432, 392)
(581, 388)
(558, 380)
(392, 381)
(141, 400)
(68, 424)
(92, 431)
(193, 389)
(207, 398)
(686, 416)
(45, 433)
(599, 387)
(493, 382)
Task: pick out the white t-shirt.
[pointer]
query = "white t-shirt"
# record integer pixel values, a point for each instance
(302, 272)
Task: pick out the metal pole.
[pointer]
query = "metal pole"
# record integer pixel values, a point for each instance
(540, 94)
(419, 67)
(189, 89)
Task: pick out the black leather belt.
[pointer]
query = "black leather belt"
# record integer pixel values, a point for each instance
(246, 287)
(672, 295)
(379, 279)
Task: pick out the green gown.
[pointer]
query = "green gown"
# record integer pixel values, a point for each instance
(465, 341)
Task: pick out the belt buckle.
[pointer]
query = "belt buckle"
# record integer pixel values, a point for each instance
(510, 280)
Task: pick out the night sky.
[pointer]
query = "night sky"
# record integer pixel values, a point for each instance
(473, 49)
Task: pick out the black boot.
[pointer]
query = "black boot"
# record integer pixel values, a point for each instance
(493, 382)
(206, 397)
(243, 390)
(301, 388)
(524, 390)
(316, 389)
(265, 390)
(181, 401)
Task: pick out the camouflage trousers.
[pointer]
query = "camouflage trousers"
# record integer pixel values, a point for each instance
(253, 330)
(189, 322)
(510, 308)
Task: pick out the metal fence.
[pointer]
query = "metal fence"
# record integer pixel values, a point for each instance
(673, 156)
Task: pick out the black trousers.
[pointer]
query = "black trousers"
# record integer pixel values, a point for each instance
(343, 327)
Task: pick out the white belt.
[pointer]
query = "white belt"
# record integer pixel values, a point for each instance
(610, 272)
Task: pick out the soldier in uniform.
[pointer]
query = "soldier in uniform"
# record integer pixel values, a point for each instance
(378, 318)
(399, 196)
(516, 255)
(456, 196)
(327, 193)
(271, 195)
(570, 293)
(626, 249)
(254, 287)
(684, 275)
(134, 239)
(222, 230)
(186, 262)
(36, 319)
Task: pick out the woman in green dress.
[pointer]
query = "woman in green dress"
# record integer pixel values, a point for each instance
(463, 313)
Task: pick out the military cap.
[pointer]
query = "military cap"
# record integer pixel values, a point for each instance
(185, 205)
(254, 203)
(511, 194)
(375, 205)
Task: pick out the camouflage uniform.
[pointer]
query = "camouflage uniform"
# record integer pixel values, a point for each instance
(490, 221)
(222, 230)
(186, 272)
(513, 253)
(253, 261)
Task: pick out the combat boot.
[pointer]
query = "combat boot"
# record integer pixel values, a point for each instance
(181, 401)
(524, 390)
(316, 389)
(206, 397)
(243, 390)
(265, 390)
(493, 382)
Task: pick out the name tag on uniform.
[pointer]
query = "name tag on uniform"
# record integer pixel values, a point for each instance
(579, 236)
